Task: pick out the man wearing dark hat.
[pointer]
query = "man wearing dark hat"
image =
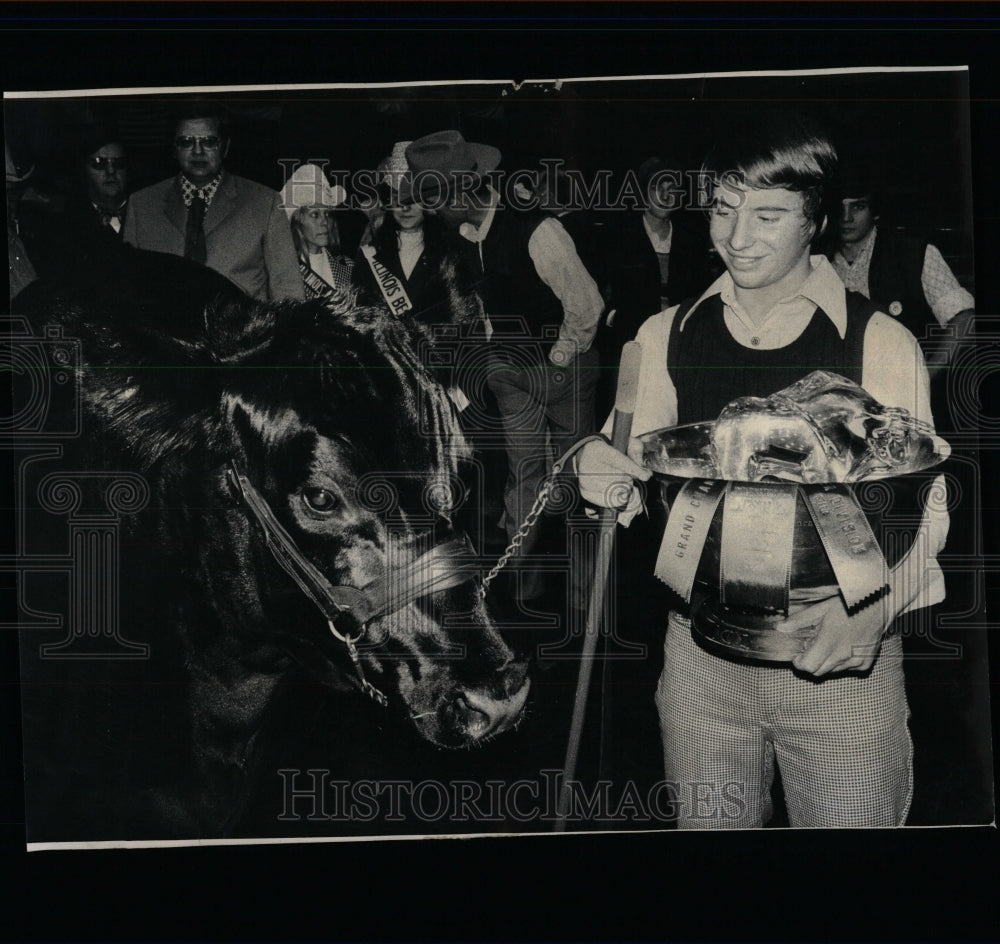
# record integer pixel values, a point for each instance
(84, 242)
(544, 309)
(833, 720)
(233, 225)
(907, 277)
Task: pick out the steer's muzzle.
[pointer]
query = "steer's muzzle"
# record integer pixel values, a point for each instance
(469, 714)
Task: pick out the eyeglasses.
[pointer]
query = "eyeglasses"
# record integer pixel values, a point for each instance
(111, 163)
(185, 142)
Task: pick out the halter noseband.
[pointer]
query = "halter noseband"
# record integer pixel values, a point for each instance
(444, 566)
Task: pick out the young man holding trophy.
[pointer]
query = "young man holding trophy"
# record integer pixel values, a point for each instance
(765, 406)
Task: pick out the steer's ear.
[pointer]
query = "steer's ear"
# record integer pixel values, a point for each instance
(235, 332)
(247, 446)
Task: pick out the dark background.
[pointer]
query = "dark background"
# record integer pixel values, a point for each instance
(899, 885)
(912, 127)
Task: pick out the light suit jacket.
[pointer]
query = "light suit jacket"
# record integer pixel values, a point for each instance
(246, 234)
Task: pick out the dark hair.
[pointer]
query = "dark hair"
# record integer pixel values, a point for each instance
(204, 110)
(658, 164)
(779, 149)
(858, 178)
(91, 137)
(437, 237)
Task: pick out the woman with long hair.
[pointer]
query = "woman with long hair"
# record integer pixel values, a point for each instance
(414, 263)
(309, 201)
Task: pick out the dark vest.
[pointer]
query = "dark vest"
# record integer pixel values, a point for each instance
(633, 277)
(709, 369)
(894, 279)
(513, 288)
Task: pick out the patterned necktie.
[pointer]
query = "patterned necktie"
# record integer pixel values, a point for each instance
(194, 233)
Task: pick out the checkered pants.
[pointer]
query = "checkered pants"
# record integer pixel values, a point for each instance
(841, 744)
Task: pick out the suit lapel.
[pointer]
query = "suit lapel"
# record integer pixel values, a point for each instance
(173, 205)
(223, 203)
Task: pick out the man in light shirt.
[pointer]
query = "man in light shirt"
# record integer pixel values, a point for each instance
(544, 309)
(834, 721)
(907, 278)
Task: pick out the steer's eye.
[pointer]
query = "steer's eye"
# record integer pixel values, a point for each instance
(319, 500)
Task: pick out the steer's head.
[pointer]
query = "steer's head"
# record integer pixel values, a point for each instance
(357, 452)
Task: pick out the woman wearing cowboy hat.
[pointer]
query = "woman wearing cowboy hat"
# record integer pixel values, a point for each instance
(412, 262)
(309, 200)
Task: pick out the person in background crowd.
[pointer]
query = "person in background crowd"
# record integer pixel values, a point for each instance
(20, 270)
(834, 721)
(544, 309)
(422, 270)
(655, 256)
(549, 188)
(83, 244)
(416, 250)
(309, 200)
(214, 217)
(906, 277)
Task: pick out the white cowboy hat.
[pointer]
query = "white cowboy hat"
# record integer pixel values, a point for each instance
(308, 187)
(392, 169)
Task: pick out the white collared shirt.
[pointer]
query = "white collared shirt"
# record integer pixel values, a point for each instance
(411, 247)
(893, 371)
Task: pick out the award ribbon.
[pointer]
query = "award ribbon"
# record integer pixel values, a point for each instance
(758, 528)
(684, 538)
(391, 288)
(849, 542)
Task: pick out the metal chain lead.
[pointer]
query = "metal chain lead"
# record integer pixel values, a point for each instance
(536, 509)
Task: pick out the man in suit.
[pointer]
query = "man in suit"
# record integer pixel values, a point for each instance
(205, 213)
(82, 245)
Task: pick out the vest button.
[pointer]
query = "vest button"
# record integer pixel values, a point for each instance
(755, 341)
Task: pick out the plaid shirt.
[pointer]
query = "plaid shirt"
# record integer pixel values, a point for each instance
(188, 190)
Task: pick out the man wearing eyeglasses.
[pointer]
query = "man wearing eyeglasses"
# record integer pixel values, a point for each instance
(82, 245)
(211, 216)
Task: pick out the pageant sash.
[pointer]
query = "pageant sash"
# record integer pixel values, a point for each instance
(316, 283)
(850, 544)
(687, 528)
(758, 529)
(391, 288)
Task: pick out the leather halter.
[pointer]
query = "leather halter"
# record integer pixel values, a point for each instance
(443, 567)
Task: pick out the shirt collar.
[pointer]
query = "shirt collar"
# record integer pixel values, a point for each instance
(188, 189)
(659, 243)
(822, 287)
(477, 234)
(864, 252)
(107, 214)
